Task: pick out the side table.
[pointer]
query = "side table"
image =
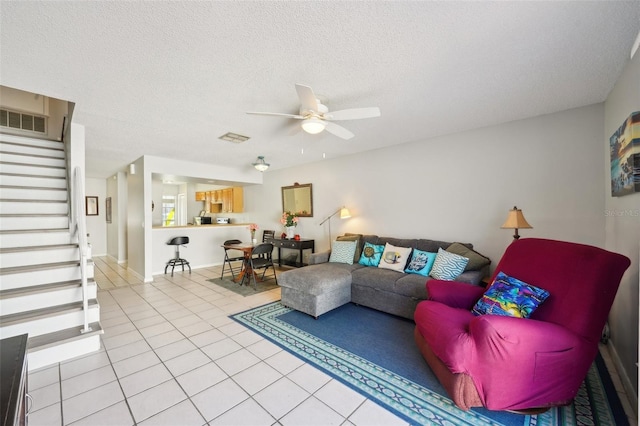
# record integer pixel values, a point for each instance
(300, 245)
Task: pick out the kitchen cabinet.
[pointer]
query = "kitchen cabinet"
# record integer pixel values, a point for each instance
(201, 196)
(228, 200)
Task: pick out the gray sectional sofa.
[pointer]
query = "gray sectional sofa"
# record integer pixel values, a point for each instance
(322, 286)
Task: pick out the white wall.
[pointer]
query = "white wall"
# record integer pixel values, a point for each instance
(96, 225)
(459, 187)
(622, 225)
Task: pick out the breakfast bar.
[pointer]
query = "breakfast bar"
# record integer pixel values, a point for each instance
(204, 248)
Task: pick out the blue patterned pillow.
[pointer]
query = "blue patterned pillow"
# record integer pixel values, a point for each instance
(371, 254)
(508, 296)
(342, 252)
(447, 265)
(421, 262)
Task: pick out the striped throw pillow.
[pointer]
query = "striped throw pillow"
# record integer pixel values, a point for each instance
(448, 266)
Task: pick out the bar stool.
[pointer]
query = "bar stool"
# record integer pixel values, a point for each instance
(177, 241)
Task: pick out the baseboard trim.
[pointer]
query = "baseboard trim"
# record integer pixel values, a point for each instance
(624, 377)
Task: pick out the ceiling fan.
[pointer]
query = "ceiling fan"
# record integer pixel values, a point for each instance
(316, 117)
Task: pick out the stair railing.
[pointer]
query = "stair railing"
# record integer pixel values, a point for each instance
(79, 226)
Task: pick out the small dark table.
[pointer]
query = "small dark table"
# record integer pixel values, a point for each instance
(300, 245)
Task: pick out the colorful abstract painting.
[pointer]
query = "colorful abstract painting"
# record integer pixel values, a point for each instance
(624, 146)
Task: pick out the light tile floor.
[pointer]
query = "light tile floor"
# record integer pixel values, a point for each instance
(172, 356)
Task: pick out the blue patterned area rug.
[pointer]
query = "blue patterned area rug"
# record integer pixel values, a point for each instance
(374, 353)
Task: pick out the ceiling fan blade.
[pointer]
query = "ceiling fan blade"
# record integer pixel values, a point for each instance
(353, 114)
(339, 131)
(279, 114)
(308, 100)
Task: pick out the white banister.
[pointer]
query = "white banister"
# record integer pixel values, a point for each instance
(79, 226)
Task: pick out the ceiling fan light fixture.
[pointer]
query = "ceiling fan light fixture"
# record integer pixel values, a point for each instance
(313, 125)
(260, 165)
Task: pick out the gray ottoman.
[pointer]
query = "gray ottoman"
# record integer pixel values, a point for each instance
(316, 289)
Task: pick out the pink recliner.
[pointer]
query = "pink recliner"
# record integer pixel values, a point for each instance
(518, 364)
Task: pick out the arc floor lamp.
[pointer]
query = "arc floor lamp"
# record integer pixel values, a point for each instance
(344, 214)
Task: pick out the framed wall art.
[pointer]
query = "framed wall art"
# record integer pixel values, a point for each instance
(107, 209)
(91, 206)
(624, 147)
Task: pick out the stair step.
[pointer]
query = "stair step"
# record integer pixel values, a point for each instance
(12, 206)
(62, 345)
(27, 238)
(33, 221)
(31, 149)
(47, 320)
(43, 160)
(33, 255)
(39, 297)
(28, 276)
(33, 141)
(32, 193)
(20, 180)
(33, 169)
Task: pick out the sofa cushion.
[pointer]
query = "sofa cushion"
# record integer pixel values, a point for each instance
(394, 258)
(508, 296)
(398, 242)
(342, 252)
(371, 254)
(431, 246)
(420, 263)
(447, 265)
(380, 279)
(316, 279)
(412, 285)
(476, 260)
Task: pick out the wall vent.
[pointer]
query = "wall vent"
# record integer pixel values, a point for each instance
(234, 137)
(21, 121)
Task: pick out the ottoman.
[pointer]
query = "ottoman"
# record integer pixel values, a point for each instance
(316, 289)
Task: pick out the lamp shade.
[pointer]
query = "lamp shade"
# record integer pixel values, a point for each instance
(344, 213)
(516, 220)
(260, 165)
(313, 125)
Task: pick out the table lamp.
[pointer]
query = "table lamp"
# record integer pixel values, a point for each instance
(515, 220)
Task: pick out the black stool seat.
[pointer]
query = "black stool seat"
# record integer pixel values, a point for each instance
(177, 241)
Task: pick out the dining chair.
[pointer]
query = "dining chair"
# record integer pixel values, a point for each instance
(232, 257)
(268, 233)
(260, 259)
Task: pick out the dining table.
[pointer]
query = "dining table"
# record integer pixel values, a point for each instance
(246, 249)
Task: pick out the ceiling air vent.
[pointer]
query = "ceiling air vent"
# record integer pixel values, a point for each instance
(234, 137)
(18, 120)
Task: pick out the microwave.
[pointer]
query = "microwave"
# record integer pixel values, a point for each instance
(222, 220)
(205, 220)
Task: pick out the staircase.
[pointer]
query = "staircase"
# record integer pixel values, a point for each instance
(41, 289)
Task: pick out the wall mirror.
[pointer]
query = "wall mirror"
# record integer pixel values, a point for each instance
(298, 199)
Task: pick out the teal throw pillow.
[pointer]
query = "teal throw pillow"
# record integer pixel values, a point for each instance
(421, 262)
(508, 296)
(448, 266)
(342, 252)
(371, 254)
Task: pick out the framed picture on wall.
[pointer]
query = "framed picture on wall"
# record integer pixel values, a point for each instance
(624, 147)
(91, 206)
(108, 209)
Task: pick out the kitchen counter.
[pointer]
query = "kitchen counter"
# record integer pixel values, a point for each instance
(201, 226)
(204, 248)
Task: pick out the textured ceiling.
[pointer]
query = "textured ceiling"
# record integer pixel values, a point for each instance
(168, 78)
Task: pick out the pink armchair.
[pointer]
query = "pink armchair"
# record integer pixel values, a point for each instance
(517, 364)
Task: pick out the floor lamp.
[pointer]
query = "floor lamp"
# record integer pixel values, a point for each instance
(344, 214)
